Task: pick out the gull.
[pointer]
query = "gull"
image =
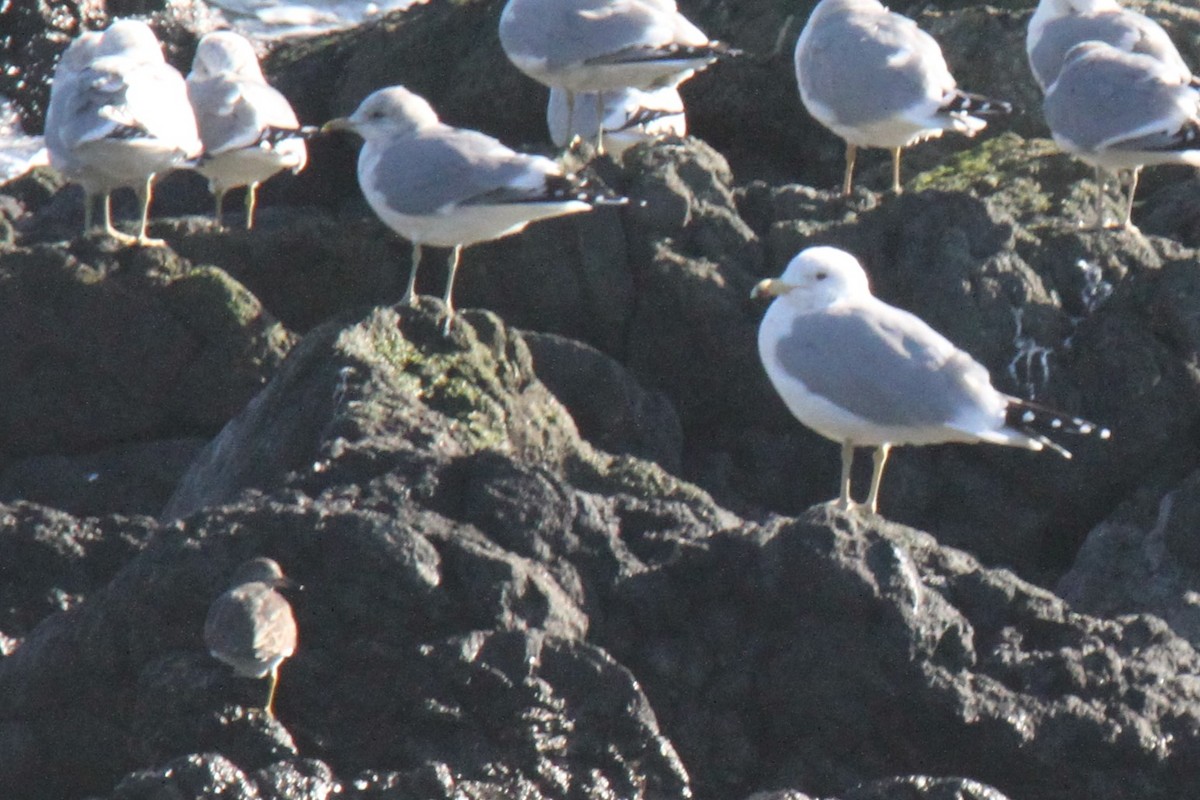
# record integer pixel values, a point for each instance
(1121, 111)
(867, 374)
(629, 116)
(125, 119)
(248, 128)
(877, 80)
(604, 45)
(1058, 25)
(64, 91)
(450, 187)
(250, 627)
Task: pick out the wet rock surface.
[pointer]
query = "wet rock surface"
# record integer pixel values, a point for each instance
(577, 548)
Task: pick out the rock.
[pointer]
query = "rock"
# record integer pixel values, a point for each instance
(503, 596)
(54, 561)
(612, 410)
(922, 787)
(112, 346)
(135, 478)
(351, 388)
(975, 694)
(1143, 560)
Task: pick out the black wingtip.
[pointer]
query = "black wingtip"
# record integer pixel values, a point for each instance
(575, 187)
(1037, 421)
(977, 105)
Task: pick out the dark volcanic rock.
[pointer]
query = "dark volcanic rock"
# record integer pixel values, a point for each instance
(110, 347)
(135, 478)
(492, 607)
(510, 589)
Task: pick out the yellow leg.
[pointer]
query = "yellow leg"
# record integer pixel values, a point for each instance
(109, 229)
(270, 706)
(145, 195)
(848, 179)
(599, 123)
(844, 501)
(896, 187)
(455, 256)
(1127, 224)
(251, 204)
(410, 294)
(881, 457)
(570, 113)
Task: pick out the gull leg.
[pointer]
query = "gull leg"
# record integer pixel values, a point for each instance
(270, 706)
(145, 195)
(570, 113)
(219, 213)
(410, 293)
(896, 187)
(109, 230)
(881, 457)
(1128, 225)
(848, 179)
(89, 201)
(251, 204)
(599, 123)
(844, 502)
(455, 255)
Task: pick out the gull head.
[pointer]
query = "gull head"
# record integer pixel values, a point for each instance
(387, 112)
(130, 38)
(79, 53)
(225, 51)
(816, 278)
(261, 570)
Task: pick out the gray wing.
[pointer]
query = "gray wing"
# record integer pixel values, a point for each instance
(578, 31)
(889, 368)
(233, 114)
(1119, 102)
(419, 175)
(865, 68)
(87, 116)
(1126, 31)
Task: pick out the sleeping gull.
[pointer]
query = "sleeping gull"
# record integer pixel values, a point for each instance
(127, 120)
(866, 374)
(1121, 111)
(1058, 25)
(629, 116)
(877, 80)
(250, 627)
(603, 45)
(449, 187)
(249, 129)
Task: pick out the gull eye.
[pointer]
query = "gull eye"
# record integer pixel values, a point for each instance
(822, 275)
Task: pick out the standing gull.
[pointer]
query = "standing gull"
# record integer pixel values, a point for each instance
(877, 80)
(250, 627)
(629, 116)
(1058, 25)
(449, 187)
(1121, 111)
(866, 374)
(128, 119)
(249, 129)
(65, 89)
(603, 45)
